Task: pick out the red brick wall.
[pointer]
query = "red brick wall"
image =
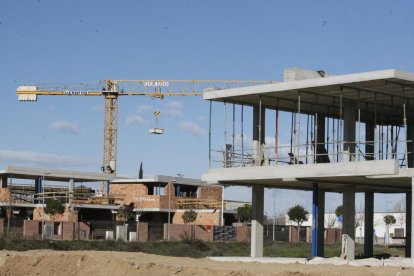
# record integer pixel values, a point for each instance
(4, 195)
(68, 231)
(210, 193)
(129, 192)
(31, 229)
(183, 231)
(142, 231)
(68, 215)
(204, 232)
(82, 226)
(243, 233)
(333, 235)
(293, 233)
(203, 218)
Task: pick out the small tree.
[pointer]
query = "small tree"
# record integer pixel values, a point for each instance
(125, 212)
(244, 213)
(298, 214)
(190, 216)
(53, 208)
(339, 211)
(389, 220)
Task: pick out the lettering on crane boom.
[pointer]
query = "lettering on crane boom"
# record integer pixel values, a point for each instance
(69, 92)
(157, 83)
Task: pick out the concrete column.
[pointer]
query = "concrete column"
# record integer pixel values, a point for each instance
(410, 147)
(4, 181)
(321, 223)
(256, 246)
(322, 154)
(349, 116)
(369, 225)
(71, 190)
(258, 134)
(369, 137)
(348, 210)
(409, 222)
(318, 221)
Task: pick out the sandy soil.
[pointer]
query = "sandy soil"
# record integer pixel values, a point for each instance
(47, 262)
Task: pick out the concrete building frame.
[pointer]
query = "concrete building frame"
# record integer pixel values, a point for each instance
(371, 160)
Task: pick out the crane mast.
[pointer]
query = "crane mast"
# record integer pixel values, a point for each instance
(110, 136)
(112, 89)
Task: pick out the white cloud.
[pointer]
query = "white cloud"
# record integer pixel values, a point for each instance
(144, 108)
(175, 105)
(138, 120)
(65, 126)
(193, 128)
(42, 159)
(173, 109)
(97, 108)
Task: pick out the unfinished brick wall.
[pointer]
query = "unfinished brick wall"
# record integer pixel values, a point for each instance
(31, 229)
(333, 235)
(203, 218)
(82, 226)
(130, 192)
(142, 231)
(4, 195)
(209, 193)
(243, 233)
(68, 215)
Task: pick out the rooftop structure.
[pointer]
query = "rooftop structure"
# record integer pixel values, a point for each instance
(348, 133)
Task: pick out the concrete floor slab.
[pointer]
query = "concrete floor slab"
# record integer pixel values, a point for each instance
(394, 261)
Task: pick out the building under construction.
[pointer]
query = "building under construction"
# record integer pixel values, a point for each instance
(348, 134)
(90, 213)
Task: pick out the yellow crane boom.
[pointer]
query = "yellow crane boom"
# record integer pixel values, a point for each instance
(112, 89)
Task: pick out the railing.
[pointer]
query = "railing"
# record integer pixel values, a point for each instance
(332, 152)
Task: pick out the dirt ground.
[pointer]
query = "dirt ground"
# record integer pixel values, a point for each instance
(47, 262)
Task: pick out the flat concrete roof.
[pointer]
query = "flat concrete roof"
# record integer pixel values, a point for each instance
(54, 175)
(383, 92)
(383, 176)
(162, 179)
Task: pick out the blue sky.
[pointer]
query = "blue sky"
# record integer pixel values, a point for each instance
(49, 42)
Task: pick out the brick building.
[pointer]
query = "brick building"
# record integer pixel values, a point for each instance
(153, 199)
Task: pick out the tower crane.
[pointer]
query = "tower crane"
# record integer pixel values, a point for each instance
(112, 89)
